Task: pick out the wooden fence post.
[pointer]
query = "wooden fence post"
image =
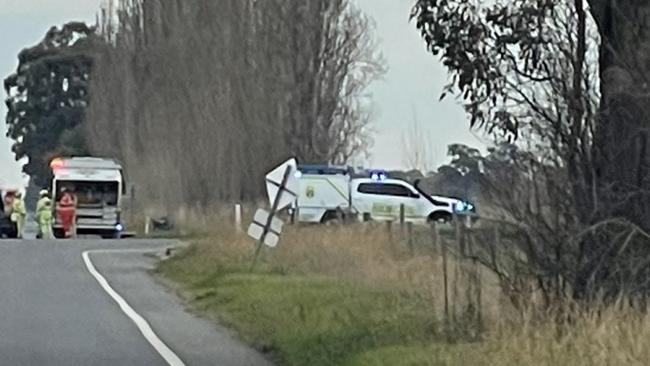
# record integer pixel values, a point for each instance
(435, 238)
(389, 229)
(409, 233)
(238, 217)
(402, 219)
(445, 283)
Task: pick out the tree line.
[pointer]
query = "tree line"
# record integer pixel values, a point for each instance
(200, 98)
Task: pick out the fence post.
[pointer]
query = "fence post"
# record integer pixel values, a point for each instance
(435, 237)
(445, 283)
(479, 288)
(409, 232)
(147, 222)
(474, 283)
(389, 229)
(238, 217)
(402, 219)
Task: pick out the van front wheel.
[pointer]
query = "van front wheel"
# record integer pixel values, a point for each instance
(441, 217)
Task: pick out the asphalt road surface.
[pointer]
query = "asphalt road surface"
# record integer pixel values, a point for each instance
(59, 306)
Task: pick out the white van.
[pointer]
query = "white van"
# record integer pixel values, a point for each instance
(329, 193)
(99, 187)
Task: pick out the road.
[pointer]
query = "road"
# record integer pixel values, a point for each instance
(55, 309)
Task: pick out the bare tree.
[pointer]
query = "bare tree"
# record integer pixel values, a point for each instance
(417, 152)
(201, 98)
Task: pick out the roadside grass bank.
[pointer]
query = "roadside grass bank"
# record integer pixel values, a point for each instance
(326, 296)
(350, 296)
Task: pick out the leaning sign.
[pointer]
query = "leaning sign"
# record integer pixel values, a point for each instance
(257, 228)
(282, 188)
(277, 188)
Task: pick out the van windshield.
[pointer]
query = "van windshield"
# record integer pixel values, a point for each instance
(91, 193)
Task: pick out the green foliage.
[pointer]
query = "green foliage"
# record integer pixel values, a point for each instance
(522, 68)
(482, 46)
(47, 97)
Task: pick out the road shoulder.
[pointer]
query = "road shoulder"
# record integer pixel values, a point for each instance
(197, 341)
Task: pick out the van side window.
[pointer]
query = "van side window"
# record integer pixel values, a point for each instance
(385, 189)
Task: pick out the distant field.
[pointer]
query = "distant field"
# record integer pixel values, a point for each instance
(350, 296)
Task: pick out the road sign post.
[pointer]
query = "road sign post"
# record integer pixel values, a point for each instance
(279, 201)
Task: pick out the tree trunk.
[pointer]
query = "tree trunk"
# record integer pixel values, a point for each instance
(620, 139)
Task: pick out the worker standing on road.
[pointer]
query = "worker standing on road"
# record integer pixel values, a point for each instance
(8, 201)
(19, 213)
(66, 210)
(44, 215)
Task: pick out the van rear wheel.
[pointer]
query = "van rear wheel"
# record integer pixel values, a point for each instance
(333, 218)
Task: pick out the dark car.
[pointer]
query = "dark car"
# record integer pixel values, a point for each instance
(8, 228)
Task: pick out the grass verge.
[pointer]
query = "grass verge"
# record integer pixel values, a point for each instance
(351, 297)
(325, 297)
(308, 319)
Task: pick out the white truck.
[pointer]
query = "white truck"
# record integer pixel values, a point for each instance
(99, 187)
(329, 193)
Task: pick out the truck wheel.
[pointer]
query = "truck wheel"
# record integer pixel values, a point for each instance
(112, 235)
(58, 233)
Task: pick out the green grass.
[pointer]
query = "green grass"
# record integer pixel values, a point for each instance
(350, 297)
(307, 319)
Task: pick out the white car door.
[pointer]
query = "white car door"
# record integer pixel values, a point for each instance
(382, 200)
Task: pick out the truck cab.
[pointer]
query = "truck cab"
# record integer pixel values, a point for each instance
(98, 186)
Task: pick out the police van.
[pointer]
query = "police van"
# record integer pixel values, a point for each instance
(333, 193)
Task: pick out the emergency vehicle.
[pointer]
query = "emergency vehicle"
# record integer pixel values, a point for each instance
(330, 193)
(99, 187)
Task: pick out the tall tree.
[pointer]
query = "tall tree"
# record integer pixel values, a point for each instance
(47, 97)
(568, 82)
(509, 52)
(200, 98)
(622, 135)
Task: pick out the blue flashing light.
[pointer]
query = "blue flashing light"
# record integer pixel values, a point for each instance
(463, 206)
(378, 175)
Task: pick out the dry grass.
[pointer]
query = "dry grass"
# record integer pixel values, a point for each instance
(615, 336)
(363, 258)
(360, 253)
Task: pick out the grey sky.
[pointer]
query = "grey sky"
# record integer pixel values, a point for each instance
(411, 86)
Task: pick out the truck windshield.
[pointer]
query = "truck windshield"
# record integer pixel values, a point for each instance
(91, 193)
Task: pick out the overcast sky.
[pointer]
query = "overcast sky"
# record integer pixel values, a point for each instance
(410, 88)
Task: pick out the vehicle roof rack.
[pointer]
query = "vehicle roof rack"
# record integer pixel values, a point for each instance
(325, 169)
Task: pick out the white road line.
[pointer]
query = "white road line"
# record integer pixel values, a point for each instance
(167, 354)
